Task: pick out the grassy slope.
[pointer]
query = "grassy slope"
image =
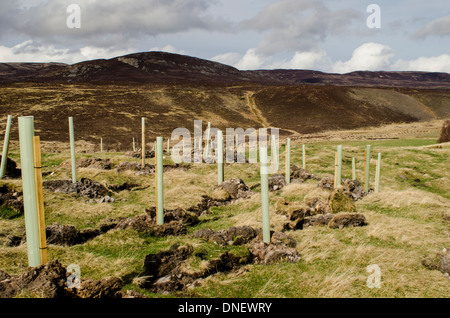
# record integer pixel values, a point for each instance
(406, 225)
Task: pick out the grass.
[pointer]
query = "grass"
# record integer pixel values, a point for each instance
(406, 224)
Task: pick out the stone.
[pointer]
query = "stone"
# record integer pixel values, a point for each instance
(342, 220)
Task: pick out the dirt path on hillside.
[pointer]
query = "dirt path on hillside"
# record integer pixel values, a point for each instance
(254, 108)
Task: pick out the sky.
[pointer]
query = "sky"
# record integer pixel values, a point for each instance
(324, 35)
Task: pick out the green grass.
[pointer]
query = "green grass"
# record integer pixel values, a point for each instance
(405, 225)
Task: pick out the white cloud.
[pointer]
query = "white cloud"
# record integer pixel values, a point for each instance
(312, 60)
(32, 51)
(425, 64)
(367, 57)
(250, 61)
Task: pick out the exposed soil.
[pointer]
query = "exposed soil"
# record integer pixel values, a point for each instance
(12, 199)
(51, 281)
(169, 271)
(11, 170)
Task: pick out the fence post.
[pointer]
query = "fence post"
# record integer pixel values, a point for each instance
(40, 198)
(367, 169)
(143, 143)
(134, 144)
(159, 180)
(72, 150)
(26, 133)
(220, 165)
(377, 174)
(265, 193)
(5, 148)
(288, 161)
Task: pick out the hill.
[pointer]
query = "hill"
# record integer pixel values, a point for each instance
(107, 98)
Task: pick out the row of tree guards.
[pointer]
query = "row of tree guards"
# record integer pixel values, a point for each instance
(30, 155)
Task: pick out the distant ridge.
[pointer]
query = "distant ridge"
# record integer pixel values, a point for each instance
(167, 68)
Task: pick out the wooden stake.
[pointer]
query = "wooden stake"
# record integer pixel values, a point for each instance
(40, 198)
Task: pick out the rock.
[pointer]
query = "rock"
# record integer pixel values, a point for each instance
(277, 182)
(342, 220)
(340, 201)
(445, 132)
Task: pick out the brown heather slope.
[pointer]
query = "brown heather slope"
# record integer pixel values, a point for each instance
(107, 98)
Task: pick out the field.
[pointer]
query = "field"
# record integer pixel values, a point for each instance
(408, 221)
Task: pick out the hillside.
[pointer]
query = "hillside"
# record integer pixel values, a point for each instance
(107, 98)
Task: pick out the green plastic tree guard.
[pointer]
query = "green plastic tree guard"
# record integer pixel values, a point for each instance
(304, 156)
(72, 150)
(288, 161)
(339, 166)
(5, 148)
(367, 170)
(26, 133)
(159, 180)
(220, 172)
(353, 169)
(265, 194)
